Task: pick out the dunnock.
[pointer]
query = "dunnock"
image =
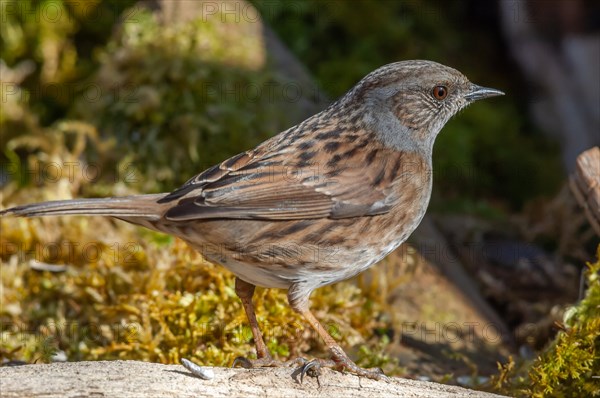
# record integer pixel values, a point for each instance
(316, 204)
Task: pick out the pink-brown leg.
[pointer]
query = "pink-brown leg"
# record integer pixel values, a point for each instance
(339, 359)
(245, 291)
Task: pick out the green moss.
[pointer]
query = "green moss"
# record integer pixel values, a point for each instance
(570, 366)
(377, 357)
(180, 98)
(170, 101)
(52, 42)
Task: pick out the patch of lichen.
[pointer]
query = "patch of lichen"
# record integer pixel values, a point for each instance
(570, 366)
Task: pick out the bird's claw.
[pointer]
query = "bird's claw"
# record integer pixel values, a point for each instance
(243, 362)
(313, 367)
(342, 364)
(310, 368)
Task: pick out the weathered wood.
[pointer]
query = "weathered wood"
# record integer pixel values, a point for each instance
(140, 379)
(585, 184)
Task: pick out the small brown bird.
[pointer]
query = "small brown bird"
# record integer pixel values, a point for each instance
(316, 204)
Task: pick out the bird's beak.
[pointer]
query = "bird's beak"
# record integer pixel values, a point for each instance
(478, 92)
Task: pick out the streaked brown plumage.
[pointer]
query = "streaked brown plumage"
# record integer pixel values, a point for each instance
(315, 204)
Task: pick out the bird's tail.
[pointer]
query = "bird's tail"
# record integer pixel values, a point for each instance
(141, 207)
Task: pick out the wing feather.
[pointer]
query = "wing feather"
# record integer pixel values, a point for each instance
(248, 186)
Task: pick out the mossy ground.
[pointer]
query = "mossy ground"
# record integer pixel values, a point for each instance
(570, 365)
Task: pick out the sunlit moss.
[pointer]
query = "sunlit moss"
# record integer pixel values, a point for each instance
(179, 98)
(50, 42)
(570, 366)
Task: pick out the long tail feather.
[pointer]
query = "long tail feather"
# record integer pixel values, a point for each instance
(138, 206)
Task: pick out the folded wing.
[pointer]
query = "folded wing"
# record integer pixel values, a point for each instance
(251, 186)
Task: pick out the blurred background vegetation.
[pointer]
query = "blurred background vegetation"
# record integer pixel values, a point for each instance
(115, 97)
(147, 84)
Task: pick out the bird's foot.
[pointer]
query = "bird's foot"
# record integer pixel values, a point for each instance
(341, 362)
(266, 362)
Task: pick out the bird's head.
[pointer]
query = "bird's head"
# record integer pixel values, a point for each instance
(407, 103)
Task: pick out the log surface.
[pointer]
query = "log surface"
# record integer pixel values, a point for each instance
(141, 379)
(585, 184)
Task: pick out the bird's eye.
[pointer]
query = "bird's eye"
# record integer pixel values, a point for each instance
(440, 92)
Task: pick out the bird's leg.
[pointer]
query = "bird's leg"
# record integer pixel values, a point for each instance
(339, 359)
(245, 291)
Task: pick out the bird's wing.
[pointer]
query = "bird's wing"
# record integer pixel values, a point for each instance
(268, 187)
